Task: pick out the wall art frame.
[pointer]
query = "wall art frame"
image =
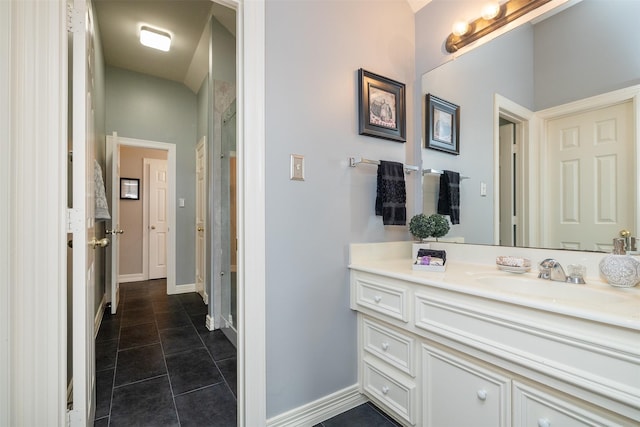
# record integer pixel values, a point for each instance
(382, 107)
(442, 125)
(129, 188)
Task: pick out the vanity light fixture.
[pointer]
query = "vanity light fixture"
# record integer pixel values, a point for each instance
(155, 39)
(493, 16)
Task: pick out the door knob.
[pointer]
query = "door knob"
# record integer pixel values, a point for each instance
(200, 228)
(119, 231)
(103, 243)
(153, 227)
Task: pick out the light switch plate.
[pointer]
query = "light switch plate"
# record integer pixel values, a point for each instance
(297, 167)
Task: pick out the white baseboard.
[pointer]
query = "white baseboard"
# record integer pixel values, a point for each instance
(321, 409)
(182, 289)
(126, 278)
(210, 323)
(99, 314)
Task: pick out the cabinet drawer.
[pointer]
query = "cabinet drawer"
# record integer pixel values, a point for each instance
(535, 407)
(393, 347)
(392, 392)
(458, 392)
(383, 298)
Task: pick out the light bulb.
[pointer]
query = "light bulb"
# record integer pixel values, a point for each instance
(460, 28)
(490, 10)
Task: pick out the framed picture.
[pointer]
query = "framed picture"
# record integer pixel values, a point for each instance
(381, 107)
(130, 188)
(443, 125)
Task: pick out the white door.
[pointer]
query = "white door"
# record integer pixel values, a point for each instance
(201, 212)
(113, 230)
(588, 154)
(82, 217)
(507, 188)
(157, 211)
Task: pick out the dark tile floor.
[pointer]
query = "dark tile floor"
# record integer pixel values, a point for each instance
(158, 365)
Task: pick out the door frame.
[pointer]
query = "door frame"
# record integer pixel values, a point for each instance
(523, 119)
(631, 93)
(115, 141)
(43, 285)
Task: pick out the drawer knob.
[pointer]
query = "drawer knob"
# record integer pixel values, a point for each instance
(544, 422)
(482, 394)
(377, 298)
(385, 346)
(385, 390)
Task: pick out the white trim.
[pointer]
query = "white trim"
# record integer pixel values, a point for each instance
(183, 289)
(252, 407)
(210, 323)
(6, 183)
(171, 200)
(525, 122)
(320, 410)
(99, 313)
(37, 291)
(134, 277)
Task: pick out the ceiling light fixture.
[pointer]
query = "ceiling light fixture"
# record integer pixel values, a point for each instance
(493, 16)
(155, 39)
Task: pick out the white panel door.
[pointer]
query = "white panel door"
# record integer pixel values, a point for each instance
(201, 212)
(158, 225)
(114, 230)
(589, 153)
(82, 217)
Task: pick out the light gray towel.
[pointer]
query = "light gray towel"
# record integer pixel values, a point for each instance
(102, 208)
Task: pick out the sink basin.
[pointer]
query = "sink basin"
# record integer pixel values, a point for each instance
(552, 291)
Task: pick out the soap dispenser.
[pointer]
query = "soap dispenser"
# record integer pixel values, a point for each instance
(618, 268)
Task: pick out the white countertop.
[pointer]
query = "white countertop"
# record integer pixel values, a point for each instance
(596, 301)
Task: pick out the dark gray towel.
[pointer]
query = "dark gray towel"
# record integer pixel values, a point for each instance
(449, 197)
(391, 196)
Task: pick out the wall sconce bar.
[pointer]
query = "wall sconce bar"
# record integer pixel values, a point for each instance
(509, 11)
(353, 161)
(437, 172)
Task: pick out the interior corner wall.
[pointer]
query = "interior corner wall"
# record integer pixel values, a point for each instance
(312, 110)
(150, 108)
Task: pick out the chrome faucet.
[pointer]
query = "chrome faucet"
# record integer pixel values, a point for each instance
(550, 269)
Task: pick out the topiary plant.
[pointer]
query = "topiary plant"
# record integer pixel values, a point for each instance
(439, 225)
(420, 226)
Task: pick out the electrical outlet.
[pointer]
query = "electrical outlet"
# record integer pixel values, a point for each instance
(297, 167)
(483, 189)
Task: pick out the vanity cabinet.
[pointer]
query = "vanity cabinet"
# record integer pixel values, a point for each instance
(437, 357)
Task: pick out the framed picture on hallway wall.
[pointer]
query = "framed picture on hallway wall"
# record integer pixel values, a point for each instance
(381, 107)
(443, 125)
(130, 188)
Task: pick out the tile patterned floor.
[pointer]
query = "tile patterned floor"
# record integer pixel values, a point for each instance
(158, 365)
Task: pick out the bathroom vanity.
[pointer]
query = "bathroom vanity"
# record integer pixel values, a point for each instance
(475, 346)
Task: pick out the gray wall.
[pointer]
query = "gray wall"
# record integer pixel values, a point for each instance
(145, 107)
(589, 49)
(314, 49)
(203, 110)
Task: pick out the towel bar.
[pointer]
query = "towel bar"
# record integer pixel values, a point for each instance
(438, 172)
(353, 161)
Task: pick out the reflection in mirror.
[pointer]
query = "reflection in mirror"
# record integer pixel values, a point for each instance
(528, 101)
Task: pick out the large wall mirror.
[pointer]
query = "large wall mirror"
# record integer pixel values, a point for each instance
(549, 135)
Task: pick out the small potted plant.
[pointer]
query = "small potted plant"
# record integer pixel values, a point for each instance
(439, 225)
(422, 227)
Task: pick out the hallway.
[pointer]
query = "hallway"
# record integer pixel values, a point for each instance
(157, 364)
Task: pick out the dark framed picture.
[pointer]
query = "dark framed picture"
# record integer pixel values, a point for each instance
(130, 188)
(381, 107)
(443, 125)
